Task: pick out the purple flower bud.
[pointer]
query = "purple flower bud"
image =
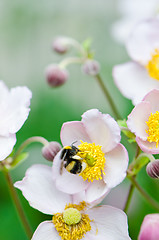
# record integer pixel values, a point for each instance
(50, 150)
(91, 67)
(150, 228)
(61, 45)
(153, 169)
(55, 75)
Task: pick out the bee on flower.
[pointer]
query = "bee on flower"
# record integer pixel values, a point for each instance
(92, 157)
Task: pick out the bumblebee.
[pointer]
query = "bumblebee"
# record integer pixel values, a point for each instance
(71, 161)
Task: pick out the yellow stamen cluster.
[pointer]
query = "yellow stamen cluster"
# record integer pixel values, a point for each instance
(72, 231)
(79, 207)
(94, 158)
(153, 128)
(153, 65)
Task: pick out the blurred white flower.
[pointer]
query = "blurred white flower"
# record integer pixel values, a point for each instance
(14, 110)
(72, 216)
(132, 11)
(136, 78)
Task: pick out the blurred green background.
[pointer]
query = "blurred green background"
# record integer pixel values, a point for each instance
(27, 29)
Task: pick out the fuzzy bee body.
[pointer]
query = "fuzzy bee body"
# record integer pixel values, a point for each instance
(70, 160)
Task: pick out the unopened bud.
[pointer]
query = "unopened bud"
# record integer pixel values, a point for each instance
(50, 150)
(55, 75)
(61, 45)
(91, 67)
(153, 169)
(150, 228)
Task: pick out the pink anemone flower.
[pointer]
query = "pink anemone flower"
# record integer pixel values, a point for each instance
(14, 110)
(136, 78)
(97, 139)
(143, 122)
(150, 227)
(72, 217)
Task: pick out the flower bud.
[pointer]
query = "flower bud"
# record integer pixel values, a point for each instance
(150, 228)
(61, 45)
(55, 75)
(50, 150)
(153, 169)
(91, 67)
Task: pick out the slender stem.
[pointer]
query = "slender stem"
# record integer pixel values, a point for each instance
(108, 96)
(18, 205)
(130, 193)
(144, 194)
(70, 60)
(29, 141)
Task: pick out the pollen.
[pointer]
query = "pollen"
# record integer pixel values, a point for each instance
(153, 65)
(94, 158)
(153, 128)
(72, 230)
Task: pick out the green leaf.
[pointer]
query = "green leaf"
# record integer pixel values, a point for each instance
(87, 44)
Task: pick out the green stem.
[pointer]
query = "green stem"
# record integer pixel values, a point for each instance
(108, 96)
(17, 204)
(70, 60)
(144, 194)
(130, 193)
(28, 142)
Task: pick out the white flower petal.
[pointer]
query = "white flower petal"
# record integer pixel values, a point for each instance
(109, 223)
(15, 109)
(72, 132)
(137, 119)
(153, 98)
(102, 129)
(96, 192)
(6, 145)
(147, 147)
(116, 166)
(39, 189)
(65, 181)
(143, 40)
(133, 81)
(47, 231)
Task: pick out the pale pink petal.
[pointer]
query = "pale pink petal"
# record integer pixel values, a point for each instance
(109, 223)
(102, 129)
(137, 119)
(93, 195)
(96, 192)
(150, 227)
(153, 98)
(39, 189)
(72, 132)
(147, 147)
(133, 81)
(15, 110)
(65, 181)
(116, 166)
(143, 40)
(47, 231)
(6, 145)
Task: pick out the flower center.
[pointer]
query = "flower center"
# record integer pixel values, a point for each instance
(153, 65)
(94, 158)
(71, 224)
(153, 128)
(71, 216)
